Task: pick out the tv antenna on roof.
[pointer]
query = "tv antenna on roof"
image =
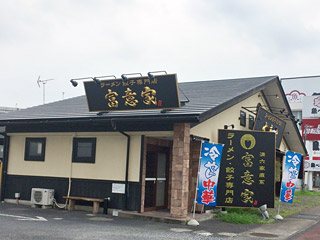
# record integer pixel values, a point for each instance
(44, 82)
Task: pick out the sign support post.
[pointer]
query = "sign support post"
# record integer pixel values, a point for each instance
(278, 216)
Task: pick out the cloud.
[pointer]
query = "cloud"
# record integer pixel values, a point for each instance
(198, 40)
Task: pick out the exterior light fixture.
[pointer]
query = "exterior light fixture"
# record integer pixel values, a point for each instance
(151, 75)
(73, 82)
(264, 212)
(95, 79)
(98, 80)
(227, 126)
(125, 76)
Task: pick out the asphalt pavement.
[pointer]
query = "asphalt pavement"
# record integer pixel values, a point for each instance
(24, 222)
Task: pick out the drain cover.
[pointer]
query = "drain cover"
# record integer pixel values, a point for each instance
(266, 235)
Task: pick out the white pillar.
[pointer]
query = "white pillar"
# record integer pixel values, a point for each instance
(305, 180)
(310, 180)
(310, 173)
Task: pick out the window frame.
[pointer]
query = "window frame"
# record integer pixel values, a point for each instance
(92, 158)
(41, 157)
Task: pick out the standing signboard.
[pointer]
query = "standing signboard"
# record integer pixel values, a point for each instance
(247, 170)
(161, 92)
(290, 172)
(268, 122)
(209, 167)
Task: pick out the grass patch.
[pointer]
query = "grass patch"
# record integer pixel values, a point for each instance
(307, 193)
(303, 200)
(241, 216)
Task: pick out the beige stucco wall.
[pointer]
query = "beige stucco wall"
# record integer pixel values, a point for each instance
(209, 128)
(111, 152)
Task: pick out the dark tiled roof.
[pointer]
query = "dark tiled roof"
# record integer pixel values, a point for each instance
(204, 97)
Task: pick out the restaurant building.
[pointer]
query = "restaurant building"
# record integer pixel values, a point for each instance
(143, 159)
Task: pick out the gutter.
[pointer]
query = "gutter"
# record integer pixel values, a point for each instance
(127, 169)
(6, 142)
(114, 126)
(179, 118)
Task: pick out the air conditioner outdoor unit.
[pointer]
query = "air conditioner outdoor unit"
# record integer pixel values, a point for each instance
(41, 196)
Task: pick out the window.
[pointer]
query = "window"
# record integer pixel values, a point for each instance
(35, 149)
(242, 118)
(84, 150)
(1, 151)
(251, 122)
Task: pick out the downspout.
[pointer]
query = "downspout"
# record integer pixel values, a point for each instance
(6, 142)
(113, 124)
(127, 170)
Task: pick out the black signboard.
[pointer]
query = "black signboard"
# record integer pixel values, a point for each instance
(268, 122)
(247, 170)
(159, 92)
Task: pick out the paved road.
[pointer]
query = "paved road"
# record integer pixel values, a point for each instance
(24, 222)
(312, 233)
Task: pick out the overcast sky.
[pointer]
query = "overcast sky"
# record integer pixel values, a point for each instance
(198, 40)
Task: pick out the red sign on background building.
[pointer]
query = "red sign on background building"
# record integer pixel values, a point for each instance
(311, 129)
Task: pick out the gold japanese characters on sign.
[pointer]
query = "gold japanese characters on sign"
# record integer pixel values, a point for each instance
(160, 92)
(148, 94)
(246, 177)
(111, 98)
(130, 98)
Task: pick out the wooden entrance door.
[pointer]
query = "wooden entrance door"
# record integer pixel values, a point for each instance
(156, 178)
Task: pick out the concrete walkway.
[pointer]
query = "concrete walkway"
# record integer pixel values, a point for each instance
(281, 229)
(287, 228)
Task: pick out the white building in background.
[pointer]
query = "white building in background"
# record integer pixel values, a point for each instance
(303, 94)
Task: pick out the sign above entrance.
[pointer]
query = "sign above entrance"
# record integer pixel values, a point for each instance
(159, 92)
